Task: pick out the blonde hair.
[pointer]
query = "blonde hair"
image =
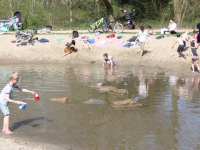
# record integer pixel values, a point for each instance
(14, 75)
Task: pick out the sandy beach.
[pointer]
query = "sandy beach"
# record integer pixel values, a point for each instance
(158, 53)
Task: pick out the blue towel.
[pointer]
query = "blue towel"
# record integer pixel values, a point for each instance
(43, 40)
(91, 41)
(128, 45)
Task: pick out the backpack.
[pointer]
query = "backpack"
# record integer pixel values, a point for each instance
(133, 39)
(75, 34)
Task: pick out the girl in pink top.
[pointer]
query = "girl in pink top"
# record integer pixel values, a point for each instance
(194, 38)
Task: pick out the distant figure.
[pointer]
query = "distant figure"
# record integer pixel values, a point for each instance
(142, 36)
(150, 31)
(70, 48)
(108, 60)
(172, 28)
(195, 35)
(195, 57)
(86, 44)
(180, 47)
(6, 98)
(185, 37)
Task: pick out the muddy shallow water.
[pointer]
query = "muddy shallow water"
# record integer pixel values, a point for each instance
(168, 119)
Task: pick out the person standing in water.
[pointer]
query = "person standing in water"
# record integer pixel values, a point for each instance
(108, 60)
(6, 98)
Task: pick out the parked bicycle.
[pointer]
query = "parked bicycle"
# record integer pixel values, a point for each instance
(115, 26)
(92, 26)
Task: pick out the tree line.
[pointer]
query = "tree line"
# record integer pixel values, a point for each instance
(65, 14)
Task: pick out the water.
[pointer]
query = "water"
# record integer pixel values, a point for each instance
(168, 119)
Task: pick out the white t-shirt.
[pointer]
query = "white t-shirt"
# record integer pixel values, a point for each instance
(8, 89)
(173, 27)
(142, 36)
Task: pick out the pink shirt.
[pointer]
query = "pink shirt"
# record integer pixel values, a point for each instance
(195, 36)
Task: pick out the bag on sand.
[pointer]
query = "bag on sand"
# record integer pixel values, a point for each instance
(43, 40)
(133, 39)
(75, 34)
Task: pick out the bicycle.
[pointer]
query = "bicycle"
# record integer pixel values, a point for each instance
(92, 26)
(115, 26)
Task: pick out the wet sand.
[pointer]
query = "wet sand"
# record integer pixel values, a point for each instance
(159, 53)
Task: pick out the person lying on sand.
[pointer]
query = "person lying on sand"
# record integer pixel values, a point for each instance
(70, 48)
(108, 60)
(195, 57)
(180, 47)
(86, 44)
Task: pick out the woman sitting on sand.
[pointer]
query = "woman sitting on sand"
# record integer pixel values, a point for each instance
(172, 27)
(70, 48)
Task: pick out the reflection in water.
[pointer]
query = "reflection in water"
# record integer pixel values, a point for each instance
(168, 120)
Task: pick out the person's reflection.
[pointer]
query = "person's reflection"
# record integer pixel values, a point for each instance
(195, 87)
(143, 87)
(109, 74)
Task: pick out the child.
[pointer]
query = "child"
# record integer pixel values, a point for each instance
(6, 97)
(195, 57)
(86, 44)
(194, 38)
(70, 48)
(150, 31)
(142, 36)
(181, 45)
(185, 37)
(108, 60)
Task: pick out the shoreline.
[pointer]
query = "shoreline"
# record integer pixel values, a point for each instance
(159, 55)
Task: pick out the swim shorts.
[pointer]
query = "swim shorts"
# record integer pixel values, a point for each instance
(142, 45)
(180, 48)
(4, 109)
(195, 58)
(184, 43)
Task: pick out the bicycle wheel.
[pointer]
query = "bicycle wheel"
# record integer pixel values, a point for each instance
(104, 26)
(118, 27)
(92, 26)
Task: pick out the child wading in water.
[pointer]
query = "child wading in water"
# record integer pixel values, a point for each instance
(108, 60)
(195, 57)
(6, 98)
(180, 47)
(142, 36)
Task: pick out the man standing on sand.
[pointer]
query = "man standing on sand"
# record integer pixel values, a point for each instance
(142, 36)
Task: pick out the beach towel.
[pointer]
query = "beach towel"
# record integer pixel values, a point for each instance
(43, 40)
(128, 45)
(60, 39)
(118, 43)
(91, 41)
(101, 42)
(17, 41)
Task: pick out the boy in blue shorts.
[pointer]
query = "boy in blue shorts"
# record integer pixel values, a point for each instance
(6, 97)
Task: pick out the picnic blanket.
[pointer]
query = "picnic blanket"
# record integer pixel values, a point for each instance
(60, 39)
(128, 45)
(118, 43)
(101, 42)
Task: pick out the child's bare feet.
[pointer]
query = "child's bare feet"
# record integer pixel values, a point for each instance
(3, 131)
(9, 132)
